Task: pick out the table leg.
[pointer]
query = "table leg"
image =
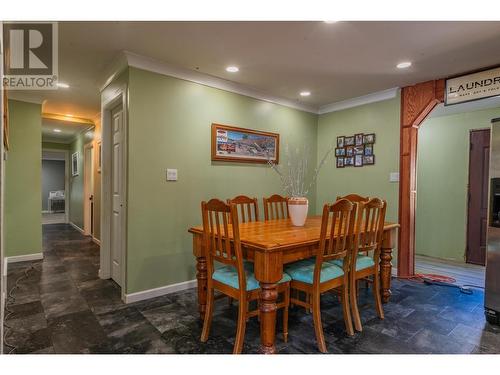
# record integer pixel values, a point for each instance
(201, 276)
(386, 266)
(267, 307)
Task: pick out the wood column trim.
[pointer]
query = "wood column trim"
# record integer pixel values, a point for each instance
(416, 103)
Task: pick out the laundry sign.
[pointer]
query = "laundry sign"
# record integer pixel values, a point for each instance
(473, 86)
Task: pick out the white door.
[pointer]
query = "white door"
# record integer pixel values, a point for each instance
(117, 214)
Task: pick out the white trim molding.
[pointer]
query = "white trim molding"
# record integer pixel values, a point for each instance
(23, 258)
(161, 291)
(130, 59)
(160, 67)
(360, 100)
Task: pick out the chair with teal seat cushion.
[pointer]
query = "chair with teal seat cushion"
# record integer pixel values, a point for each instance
(369, 232)
(362, 262)
(228, 275)
(318, 275)
(221, 240)
(303, 271)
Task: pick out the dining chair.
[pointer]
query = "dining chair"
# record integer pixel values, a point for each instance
(366, 256)
(355, 198)
(244, 206)
(233, 278)
(321, 275)
(275, 207)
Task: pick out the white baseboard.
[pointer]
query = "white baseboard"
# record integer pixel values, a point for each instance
(77, 228)
(96, 241)
(23, 258)
(156, 292)
(46, 212)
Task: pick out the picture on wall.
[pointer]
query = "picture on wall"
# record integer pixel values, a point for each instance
(368, 150)
(355, 150)
(340, 151)
(349, 141)
(369, 138)
(234, 144)
(75, 164)
(368, 160)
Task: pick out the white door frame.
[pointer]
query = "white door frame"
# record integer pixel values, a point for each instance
(87, 188)
(66, 179)
(107, 105)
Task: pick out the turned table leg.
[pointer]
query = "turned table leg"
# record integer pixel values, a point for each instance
(267, 307)
(201, 276)
(386, 265)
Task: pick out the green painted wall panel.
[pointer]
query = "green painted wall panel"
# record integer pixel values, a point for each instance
(55, 146)
(381, 118)
(442, 178)
(169, 127)
(76, 182)
(23, 208)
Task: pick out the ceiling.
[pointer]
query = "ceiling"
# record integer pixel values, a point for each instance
(335, 61)
(69, 130)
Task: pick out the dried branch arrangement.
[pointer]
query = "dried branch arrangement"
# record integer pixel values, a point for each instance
(293, 175)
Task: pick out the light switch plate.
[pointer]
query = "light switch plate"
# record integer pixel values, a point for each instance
(394, 177)
(171, 174)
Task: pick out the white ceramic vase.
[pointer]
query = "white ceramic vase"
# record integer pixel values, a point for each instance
(297, 208)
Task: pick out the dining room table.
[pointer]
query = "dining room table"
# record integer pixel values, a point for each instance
(272, 244)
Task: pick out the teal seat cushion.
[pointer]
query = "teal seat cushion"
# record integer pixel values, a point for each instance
(362, 262)
(303, 271)
(228, 275)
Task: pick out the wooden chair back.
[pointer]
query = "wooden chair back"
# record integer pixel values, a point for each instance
(355, 198)
(244, 206)
(222, 238)
(337, 234)
(275, 207)
(370, 225)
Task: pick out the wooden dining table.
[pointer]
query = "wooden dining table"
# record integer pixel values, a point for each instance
(272, 244)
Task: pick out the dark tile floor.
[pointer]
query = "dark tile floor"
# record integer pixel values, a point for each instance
(63, 307)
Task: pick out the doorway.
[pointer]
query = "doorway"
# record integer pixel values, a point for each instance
(55, 208)
(477, 216)
(88, 189)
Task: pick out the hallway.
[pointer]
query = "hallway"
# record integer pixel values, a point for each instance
(63, 307)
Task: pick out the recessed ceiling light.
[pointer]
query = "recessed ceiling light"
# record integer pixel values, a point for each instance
(404, 65)
(305, 93)
(62, 85)
(57, 130)
(330, 21)
(232, 69)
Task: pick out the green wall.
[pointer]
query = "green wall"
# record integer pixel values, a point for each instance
(381, 118)
(169, 127)
(76, 182)
(23, 226)
(55, 146)
(442, 178)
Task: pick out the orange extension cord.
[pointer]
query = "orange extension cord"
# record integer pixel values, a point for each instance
(422, 277)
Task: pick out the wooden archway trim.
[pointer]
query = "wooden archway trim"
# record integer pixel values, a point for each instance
(417, 102)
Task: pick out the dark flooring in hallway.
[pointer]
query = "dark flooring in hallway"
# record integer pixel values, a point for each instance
(63, 307)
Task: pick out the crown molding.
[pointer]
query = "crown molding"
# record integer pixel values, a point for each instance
(360, 100)
(160, 67)
(130, 59)
(64, 118)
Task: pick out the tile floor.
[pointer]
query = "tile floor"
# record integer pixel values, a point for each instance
(63, 307)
